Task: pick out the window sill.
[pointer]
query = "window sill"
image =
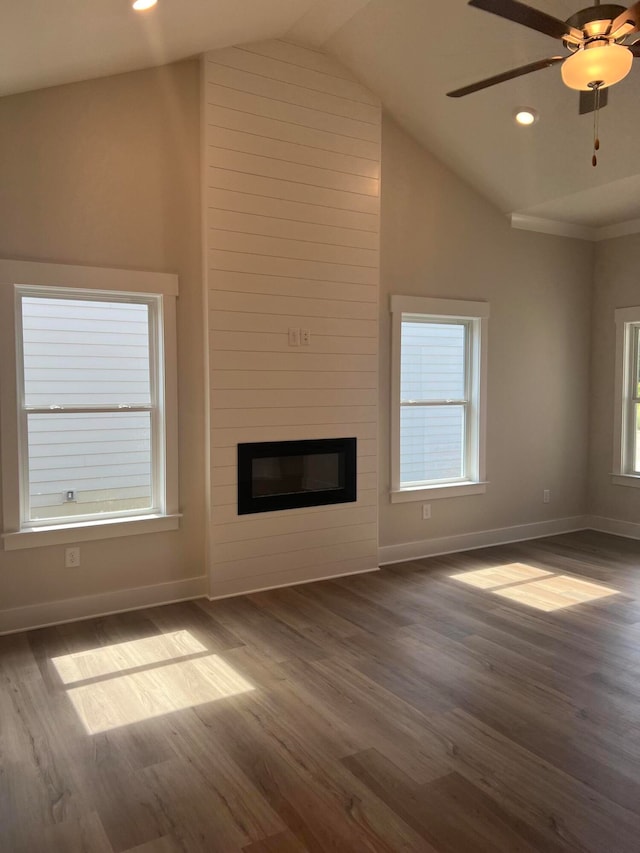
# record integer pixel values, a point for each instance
(63, 534)
(632, 480)
(449, 490)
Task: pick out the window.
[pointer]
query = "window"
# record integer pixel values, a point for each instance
(438, 397)
(626, 465)
(91, 416)
(92, 420)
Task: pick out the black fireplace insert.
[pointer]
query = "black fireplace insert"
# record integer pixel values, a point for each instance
(274, 475)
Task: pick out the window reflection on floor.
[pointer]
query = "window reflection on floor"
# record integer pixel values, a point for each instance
(534, 587)
(500, 575)
(113, 686)
(105, 660)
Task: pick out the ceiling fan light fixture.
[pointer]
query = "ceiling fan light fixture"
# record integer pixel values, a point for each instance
(597, 63)
(526, 116)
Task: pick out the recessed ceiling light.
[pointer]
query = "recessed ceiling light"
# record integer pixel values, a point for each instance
(141, 5)
(525, 116)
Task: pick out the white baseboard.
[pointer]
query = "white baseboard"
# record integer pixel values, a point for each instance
(244, 588)
(628, 529)
(103, 604)
(480, 539)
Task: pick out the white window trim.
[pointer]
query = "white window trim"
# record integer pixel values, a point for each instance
(14, 274)
(454, 309)
(626, 319)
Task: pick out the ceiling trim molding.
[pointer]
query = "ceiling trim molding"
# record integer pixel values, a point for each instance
(620, 229)
(552, 226)
(569, 229)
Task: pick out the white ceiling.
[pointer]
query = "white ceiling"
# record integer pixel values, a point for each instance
(47, 42)
(411, 52)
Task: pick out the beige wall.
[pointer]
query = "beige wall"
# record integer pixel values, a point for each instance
(439, 238)
(106, 173)
(616, 285)
(292, 188)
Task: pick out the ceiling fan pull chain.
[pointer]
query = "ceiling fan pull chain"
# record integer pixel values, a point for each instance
(596, 121)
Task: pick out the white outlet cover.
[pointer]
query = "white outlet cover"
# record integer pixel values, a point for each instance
(72, 557)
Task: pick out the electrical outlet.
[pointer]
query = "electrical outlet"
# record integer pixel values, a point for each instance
(305, 337)
(426, 512)
(546, 496)
(72, 557)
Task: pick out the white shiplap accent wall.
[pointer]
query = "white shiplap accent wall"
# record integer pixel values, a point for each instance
(292, 177)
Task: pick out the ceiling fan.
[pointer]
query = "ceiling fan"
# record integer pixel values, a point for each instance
(595, 37)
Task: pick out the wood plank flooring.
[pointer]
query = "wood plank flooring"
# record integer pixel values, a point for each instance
(487, 701)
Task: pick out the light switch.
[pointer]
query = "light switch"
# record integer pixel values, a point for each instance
(294, 337)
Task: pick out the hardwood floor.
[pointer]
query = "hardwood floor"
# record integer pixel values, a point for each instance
(487, 701)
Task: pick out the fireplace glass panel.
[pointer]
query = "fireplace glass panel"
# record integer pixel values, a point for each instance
(289, 475)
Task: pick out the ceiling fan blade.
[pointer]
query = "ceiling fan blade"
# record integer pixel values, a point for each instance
(506, 75)
(520, 13)
(635, 50)
(627, 22)
(587, 102)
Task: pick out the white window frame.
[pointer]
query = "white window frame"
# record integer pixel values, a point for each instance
(62, 281)
(627, 343)
(475, 315)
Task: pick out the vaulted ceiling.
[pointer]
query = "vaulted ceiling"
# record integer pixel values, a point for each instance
(411, 52)
(47, 42)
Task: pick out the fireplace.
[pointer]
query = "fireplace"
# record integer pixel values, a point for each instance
(274, 475)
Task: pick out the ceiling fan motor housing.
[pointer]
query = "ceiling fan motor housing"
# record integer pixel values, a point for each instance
(582, 20)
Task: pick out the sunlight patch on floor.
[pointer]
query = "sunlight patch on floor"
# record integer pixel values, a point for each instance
(130, 682)
(128, 699)
(499, 575)
(534, 587)
(105, 660)
(556, 592)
